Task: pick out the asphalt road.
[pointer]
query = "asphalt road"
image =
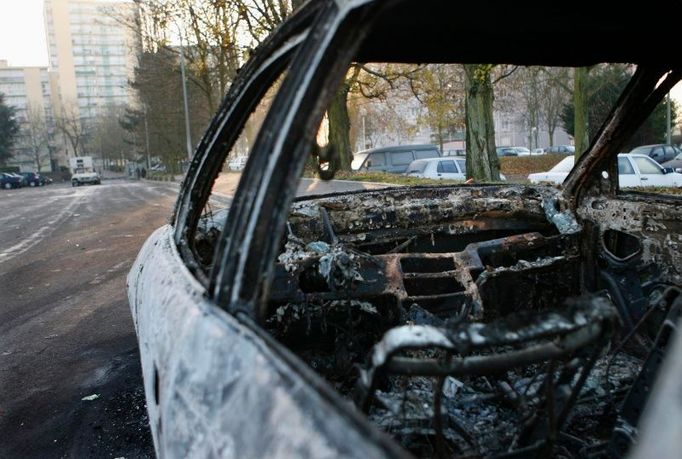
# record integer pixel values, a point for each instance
(65, 328)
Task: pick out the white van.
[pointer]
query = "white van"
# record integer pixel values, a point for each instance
(392, 159)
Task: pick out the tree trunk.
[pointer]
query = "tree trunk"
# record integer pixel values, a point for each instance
(49, 152)
(481, 161)
(550, 130)
(339, 129)
(440, 138)
(581, 138)
(36, 158)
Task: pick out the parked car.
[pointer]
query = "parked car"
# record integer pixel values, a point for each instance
(522, 151)
(633, 171)
(556, 174)
(86, 178)
(506, 151)
(562, 149)
(393, 159)
(440, 169)
(538, 151)
(660, 152)
(500, 320)
(675, 163)
(33, 179)
(9, 180)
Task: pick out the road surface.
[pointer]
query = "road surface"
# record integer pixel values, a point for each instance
(65, 327)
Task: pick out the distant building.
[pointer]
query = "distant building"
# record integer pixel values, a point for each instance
(513, 131)
(31, 91)
(93, 51)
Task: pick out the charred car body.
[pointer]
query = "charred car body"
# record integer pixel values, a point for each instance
(481, 320)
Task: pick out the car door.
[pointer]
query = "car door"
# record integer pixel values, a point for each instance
(462, 166)
(376, 162)
(650, 172)
(447, 169)
(627, 177)
(400, 160)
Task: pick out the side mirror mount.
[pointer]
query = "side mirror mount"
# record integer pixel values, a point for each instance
(668, 170)
(368, 163)
(326, 160)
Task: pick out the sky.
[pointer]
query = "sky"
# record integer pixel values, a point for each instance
(22, 36)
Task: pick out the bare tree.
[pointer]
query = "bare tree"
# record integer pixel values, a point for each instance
(531, 94)
(109, 137)
(211, 35)
(554, 96)
(68, 122)
(390, 120)
(37, 135)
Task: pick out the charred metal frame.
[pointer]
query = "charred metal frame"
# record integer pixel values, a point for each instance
(564, 333)
(626, 430)
(318, 44)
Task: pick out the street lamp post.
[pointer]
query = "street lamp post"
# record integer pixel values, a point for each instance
(184, 99)
(146, 137)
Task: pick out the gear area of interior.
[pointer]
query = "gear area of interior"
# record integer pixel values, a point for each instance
(460, 320)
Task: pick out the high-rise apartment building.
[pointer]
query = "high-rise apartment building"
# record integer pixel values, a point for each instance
(92, 47)
(32, 92)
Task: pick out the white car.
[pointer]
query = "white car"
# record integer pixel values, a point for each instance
(83, 178)
(438, 168)
(443, 168)
(633, 171)
(522, 151)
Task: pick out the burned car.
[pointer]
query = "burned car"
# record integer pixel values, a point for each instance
(482, 320)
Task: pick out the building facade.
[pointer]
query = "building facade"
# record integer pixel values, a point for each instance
(92, 47)
(511, 129)
(31, 91)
